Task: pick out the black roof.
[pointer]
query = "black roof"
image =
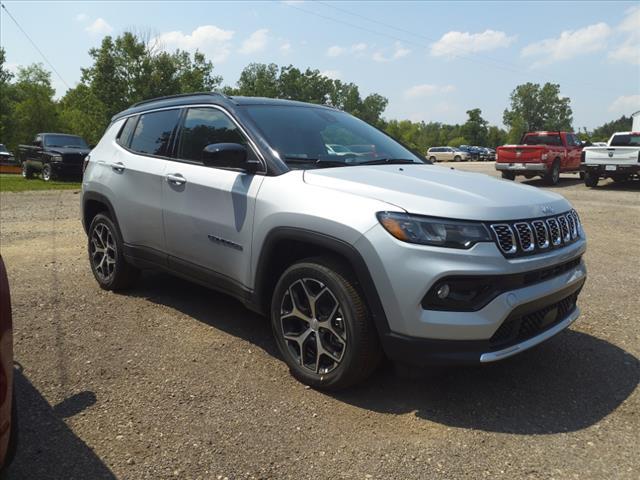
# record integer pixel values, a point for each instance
(207, 97)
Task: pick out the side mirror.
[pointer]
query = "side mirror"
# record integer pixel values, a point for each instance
(228, 155)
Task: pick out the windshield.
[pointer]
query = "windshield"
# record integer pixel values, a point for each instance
(65, 141)
(626, 140)
(307, 137)
(3, 148)
(542, 140)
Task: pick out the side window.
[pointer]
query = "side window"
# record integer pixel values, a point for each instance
(153, 132)
(204, 126)
(124, 137)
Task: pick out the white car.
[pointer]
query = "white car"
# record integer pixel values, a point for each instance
(619, 159)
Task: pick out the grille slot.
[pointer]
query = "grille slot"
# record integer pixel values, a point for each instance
(506, 238)
(542, 234)
(531, 236)
(525, 236)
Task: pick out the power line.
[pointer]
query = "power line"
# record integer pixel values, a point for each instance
(34, 45)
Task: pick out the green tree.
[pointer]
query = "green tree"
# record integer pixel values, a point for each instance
(6, 99)
(475, 129)
(457, 141)
(496, 137)
(604, 132)
(34, 109)
(82, 113)
(538, 108)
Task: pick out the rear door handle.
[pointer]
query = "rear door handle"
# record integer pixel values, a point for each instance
(176, 179)
(118, 166)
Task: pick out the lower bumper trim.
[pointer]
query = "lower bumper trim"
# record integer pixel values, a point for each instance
(532, 342)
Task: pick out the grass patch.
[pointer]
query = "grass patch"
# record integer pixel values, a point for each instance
(16, 183)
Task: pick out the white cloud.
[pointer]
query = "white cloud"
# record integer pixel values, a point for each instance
(256, 42)
(99, 27)
(209, 39)
(332, 74)
(82, 17)
(625, 104)
(285, 48)
(335, 51)
(427, 89)
(398, 52)
(570, 43)
(358, 47)
(629, 50)
(460, 43)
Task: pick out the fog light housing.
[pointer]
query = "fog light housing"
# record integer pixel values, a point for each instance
(443, 291)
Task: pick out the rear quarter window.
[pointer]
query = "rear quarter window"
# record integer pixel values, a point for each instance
(153, 132)
(124, 136)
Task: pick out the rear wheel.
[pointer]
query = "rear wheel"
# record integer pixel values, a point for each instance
(591, 179)
(106, 255)
(552, 177)
(322, 326)
(432, 159)
(27, 171)
(508, 175)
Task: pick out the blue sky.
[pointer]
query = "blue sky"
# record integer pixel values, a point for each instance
(432, 60)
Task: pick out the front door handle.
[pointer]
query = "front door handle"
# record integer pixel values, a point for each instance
(118, 167)
(176, 179)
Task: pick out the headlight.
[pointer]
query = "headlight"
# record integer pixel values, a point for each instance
(433, 231)
(56, 158)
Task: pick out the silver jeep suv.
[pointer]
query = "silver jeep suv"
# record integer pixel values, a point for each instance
(352, 257)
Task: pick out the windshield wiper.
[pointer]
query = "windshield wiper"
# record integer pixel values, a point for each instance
(319, 162)
(387, 161)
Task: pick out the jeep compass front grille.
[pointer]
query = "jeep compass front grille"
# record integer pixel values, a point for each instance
(528, 237)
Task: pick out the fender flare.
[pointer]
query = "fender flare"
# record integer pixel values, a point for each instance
(328, 242)
(96, 197)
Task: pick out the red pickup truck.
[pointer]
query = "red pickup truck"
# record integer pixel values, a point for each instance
(543, 154)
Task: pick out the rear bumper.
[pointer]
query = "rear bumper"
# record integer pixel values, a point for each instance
(620, 168)
(423, 352)
(521, 167)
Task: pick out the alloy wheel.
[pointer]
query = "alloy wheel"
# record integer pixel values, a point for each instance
(103, 252)
(313, 326)
(46, 173)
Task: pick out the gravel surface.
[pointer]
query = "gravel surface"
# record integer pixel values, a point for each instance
(174, 381)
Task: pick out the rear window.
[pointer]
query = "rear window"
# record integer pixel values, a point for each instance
(542, 140)
(124, 137)
(626, 140)
(153, 132)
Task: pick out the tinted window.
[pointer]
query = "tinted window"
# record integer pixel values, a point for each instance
(204, 126)
(542, 140)
(65, 141)
(124, 137)
(153, 132)
(300, 135)
(625, 140)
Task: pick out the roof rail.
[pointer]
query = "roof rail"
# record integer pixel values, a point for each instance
(178, 95)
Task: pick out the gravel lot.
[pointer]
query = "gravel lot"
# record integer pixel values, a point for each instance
(175, 381)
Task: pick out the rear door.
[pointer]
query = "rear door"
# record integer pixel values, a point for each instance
(208, 212)
(135, 175)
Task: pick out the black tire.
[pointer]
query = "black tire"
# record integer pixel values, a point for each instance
(552, 177)
(457, 158)
(27, 171)
(47, 172)
(508, 175)
(120, 275)
(581, 175)
(359, 353)
(433, 159)
(591, 179)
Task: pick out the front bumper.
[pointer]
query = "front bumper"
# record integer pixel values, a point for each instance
(521, 167)
(404, 273)
(67, 169)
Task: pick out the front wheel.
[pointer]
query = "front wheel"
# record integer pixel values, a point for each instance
(457, 158)
(591, 179)
(106, 255)
(47, 172)
(322, 325)
(508, 175)
(432, 159)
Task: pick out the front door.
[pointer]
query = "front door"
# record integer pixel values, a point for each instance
(208, 212)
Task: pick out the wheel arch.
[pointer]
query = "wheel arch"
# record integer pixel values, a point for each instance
(285, 245)
(92, 204)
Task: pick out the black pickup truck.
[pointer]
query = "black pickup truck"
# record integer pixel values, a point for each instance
(55, 155)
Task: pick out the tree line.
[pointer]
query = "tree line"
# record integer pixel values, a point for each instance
(128, 69)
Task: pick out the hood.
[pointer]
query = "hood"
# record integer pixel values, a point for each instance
(441, 192)
(67, 150)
